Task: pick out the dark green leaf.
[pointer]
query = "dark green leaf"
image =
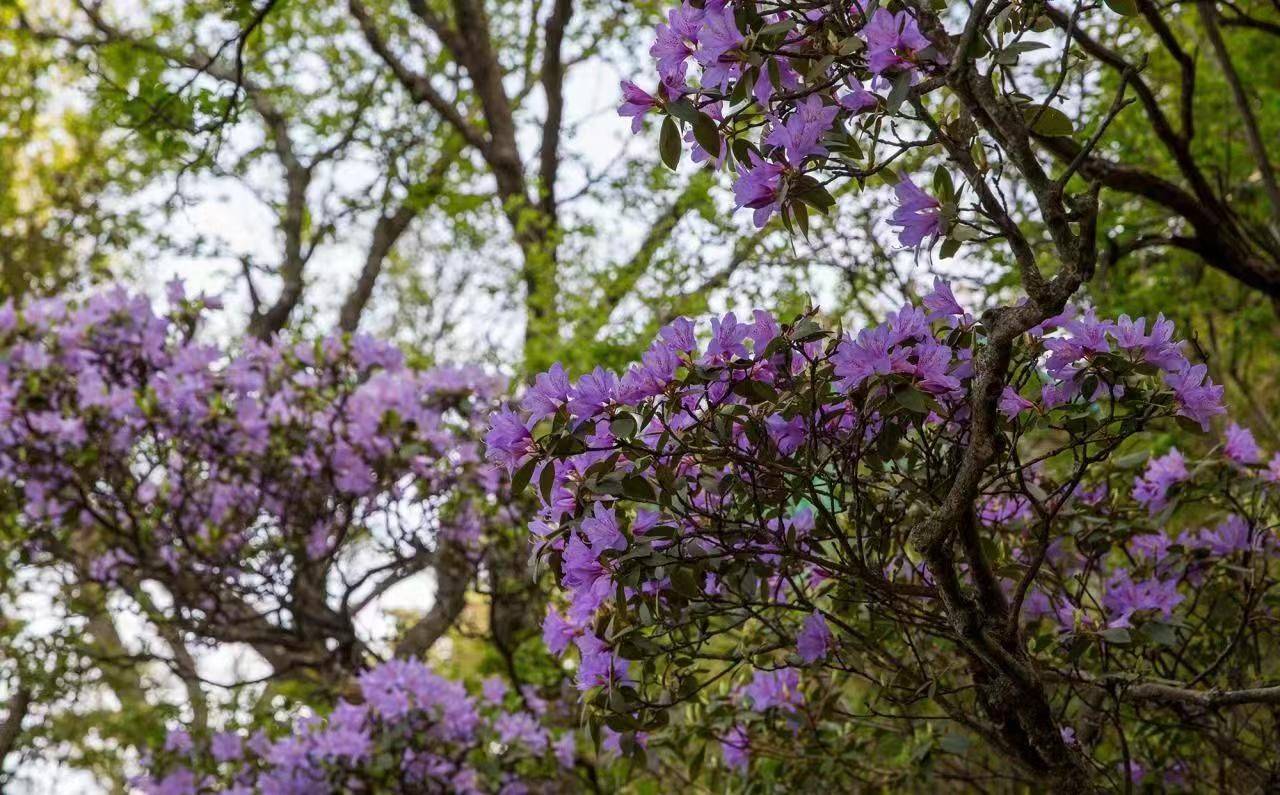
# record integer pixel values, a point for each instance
(1047, 120)
(521, 478)
(669, 144)
(706, 134)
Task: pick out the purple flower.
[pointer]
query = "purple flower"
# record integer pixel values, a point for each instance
(494, 689)
(549, 392)
(1124, 597)
(1233, 534)
(1152, 488)
(814, 641)
(520, 728)
(636, 102)
(600, 667)
(566, 750)
(675, 42)
(601, 529)
(178, 741)
(857, 98)
(930, 363)
(1241, 446)
(226, 747)
(788, 435)
(557, 633)
(588, 580)
(1137, 772)
(727, 338)
(757, 188)
(780, 688)
(799, 134)
(611, 741)
(1003, 509)
(733, 749)
(918, 213)
(1160, 349)
(893, 41)
(678, 335)
(941, 302)
(763, 331)
(1012, 404)
(594, 391)
(508, 441)
(1151, 546)
(856, 361)
(764, 87)
(652, 376)
(719, 41)
(1198, 397)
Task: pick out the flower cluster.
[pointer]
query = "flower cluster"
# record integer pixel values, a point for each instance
(759, 481)
(411, 730)
(778, 90)
(140, 453)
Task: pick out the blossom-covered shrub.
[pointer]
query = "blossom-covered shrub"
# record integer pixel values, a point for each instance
(271, 489)
(739, 524)
(411, 730)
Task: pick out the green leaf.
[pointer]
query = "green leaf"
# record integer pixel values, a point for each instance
(683, 582)
(545, 481)
(521, 478)
(683, 110)
(954, 743)
(1050, 121)
(1117, 635)
(669, 144)
(623, 426)
(801, 214)
(706, 133)
(912, 399)
(898, 93)
(1160, 633)
(1125, 8)
(943, 188)
(813, 193)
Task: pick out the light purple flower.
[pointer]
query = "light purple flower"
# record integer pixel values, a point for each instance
(1012, 404)
(508, 441)
(941, 302)
(1152, 488)
(675, 42)
(893, 41)
(770, 689)
(549, 392)
(757, 188)
(857, 98)
(788, 435)
(814, 641)
(593, 392)
(918, 213)
(494, 689)
(636, 102)
(719, 45)
(1233, 534)
(799, 134)
(734, 749)
(1241, 446)
(1198, 397)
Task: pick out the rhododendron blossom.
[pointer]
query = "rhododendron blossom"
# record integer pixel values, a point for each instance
(413, 731)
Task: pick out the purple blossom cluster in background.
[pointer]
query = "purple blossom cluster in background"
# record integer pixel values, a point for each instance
(412, 731)
(233, 467)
